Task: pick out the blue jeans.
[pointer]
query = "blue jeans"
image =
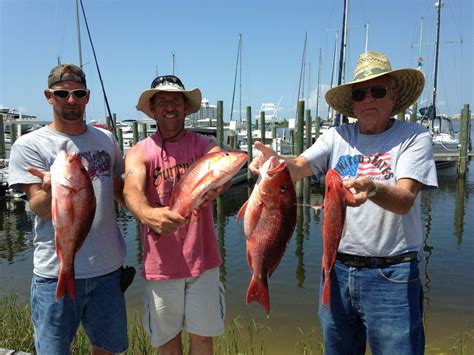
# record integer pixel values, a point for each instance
(99, 305)
(383, 305)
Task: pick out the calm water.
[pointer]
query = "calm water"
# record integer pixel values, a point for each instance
(447, 264)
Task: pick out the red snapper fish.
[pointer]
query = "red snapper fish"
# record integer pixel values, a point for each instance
(210, 172)
(269, 220)
(73, 210)
(335, 198)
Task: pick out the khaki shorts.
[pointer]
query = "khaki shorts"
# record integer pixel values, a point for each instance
(195, 304)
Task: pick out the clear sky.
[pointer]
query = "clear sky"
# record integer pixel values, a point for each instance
(135, 39)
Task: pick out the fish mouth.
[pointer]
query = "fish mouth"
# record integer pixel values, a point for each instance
(276, 169)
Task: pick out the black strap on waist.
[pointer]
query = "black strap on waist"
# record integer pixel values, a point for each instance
(375, 261)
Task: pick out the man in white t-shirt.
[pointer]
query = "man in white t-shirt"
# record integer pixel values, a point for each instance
(376, 289)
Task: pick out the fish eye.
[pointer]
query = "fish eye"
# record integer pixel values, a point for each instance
(283, 188)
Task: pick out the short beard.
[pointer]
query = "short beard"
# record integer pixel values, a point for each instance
(72, 115)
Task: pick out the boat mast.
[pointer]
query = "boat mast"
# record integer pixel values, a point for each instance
(317, 90)
(342, 58)
(438, 5)
(78, 33)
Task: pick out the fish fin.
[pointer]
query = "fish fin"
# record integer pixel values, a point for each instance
(66, 284)
(249, 261)
(241, 213)
(273, 268)
(258, 291)
(326, 299)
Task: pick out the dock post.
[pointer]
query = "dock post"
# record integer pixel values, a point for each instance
(299, 128)
(249, 141)
(317, 127)
(464, 140)
(299, 141)
(144, 132)
(3, 152)
(120, 138)
(135, 132)
(13, 133)
(309, 134)
(220, 124)
(262, 127)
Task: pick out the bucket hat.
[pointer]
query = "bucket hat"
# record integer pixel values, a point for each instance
(169, 83)
(409, 83)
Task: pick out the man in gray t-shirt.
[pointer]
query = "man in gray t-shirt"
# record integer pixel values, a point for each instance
(376, 290)
(99, 302)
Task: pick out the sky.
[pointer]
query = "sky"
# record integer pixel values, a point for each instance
(135, 40)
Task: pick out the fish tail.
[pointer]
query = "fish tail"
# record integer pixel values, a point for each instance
(258, 291)
(326, 299)
(66, 284)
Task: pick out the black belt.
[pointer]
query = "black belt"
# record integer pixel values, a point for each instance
(375, 261)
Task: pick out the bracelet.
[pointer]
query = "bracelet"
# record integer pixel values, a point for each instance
(374, 191)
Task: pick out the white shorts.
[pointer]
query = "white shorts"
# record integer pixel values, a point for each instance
(195, 304)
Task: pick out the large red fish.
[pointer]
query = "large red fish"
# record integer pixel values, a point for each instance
(73, 210)
(208, 173)
(269, 221)
(335, 198)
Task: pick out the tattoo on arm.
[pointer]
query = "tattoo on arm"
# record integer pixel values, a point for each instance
(128, 172)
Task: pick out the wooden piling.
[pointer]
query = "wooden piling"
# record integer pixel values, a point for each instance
(3, 151)
(317, 127)
(13, 133)
(143, 129)
(309, 134)
(249, 141)
(464, 133)
(220, 124)
(299, 128)
(120, 138)
(135, 132)
(262, 127)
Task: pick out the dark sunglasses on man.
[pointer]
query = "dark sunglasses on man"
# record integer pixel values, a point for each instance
(167, 80)
(377, 92)
(63, 94)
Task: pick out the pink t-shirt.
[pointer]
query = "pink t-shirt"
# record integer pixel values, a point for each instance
(193, 248)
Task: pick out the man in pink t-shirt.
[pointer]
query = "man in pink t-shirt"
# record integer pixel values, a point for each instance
(181, 260)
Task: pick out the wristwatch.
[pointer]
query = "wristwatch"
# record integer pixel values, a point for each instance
(374, 191)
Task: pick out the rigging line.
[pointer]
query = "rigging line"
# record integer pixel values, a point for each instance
(98, 71)
(235, 77)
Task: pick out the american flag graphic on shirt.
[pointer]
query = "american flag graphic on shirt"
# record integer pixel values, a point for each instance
(375, 166)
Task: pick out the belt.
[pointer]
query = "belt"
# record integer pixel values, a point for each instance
(375, 261)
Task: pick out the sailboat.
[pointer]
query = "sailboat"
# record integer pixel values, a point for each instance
(441, 128)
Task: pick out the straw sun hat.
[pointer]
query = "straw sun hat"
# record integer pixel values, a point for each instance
(408, 82)
(169, 83)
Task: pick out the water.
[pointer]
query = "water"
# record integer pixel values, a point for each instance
(447, 264)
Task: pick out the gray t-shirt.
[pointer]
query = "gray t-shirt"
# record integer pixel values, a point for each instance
(104, 248)
(403, 151)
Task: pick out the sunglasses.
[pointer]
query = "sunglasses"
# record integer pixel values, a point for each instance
(167, 80)
(377, 92)
(63, 94)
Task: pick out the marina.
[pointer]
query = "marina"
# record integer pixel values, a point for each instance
(445, 258)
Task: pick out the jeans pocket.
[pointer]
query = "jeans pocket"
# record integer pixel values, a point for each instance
(402, 273)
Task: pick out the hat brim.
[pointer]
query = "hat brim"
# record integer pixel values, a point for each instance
(193, 98)
(408, 82)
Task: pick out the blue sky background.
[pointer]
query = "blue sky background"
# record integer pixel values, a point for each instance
(136, 39)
